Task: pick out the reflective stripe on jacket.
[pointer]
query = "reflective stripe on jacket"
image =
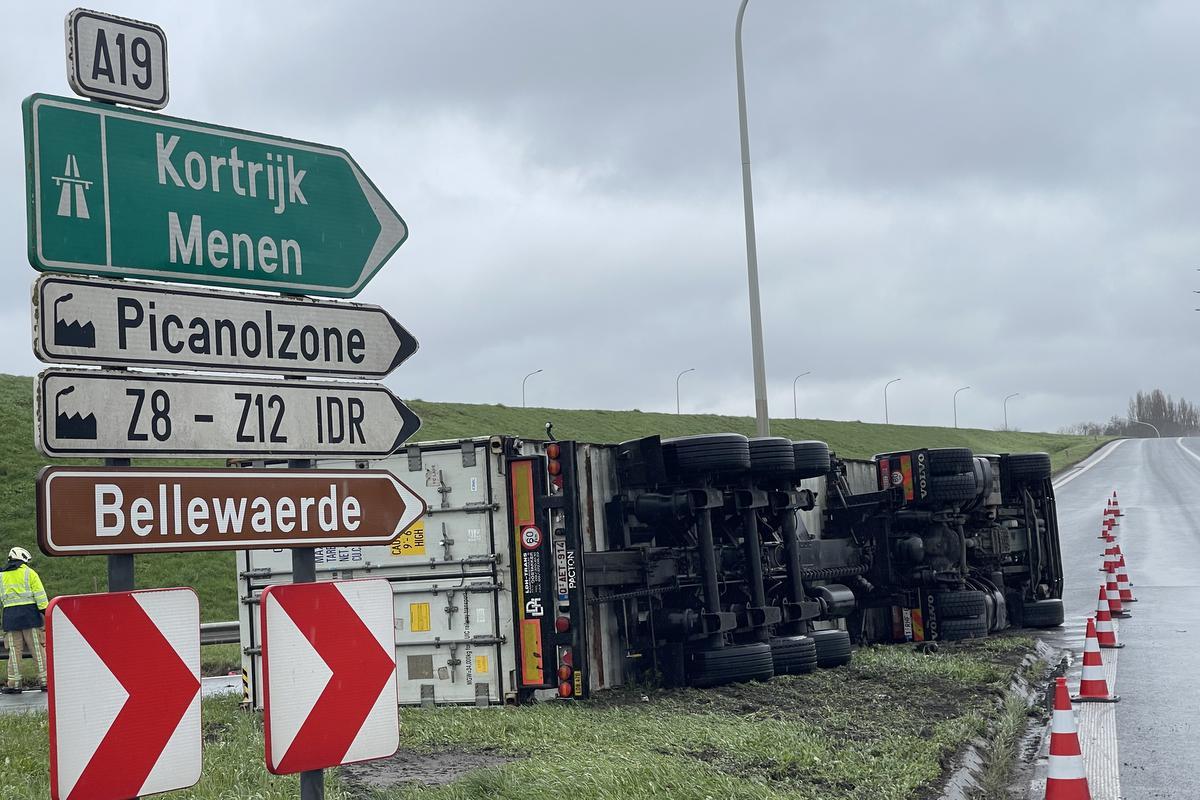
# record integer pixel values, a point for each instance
(22, 587)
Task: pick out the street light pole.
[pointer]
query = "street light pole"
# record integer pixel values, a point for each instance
(1011, 396)
(677, 377)
(956, 391)
(527, 377)
(763, 422)
(795, 406)
(886, 420)
(1148, 425)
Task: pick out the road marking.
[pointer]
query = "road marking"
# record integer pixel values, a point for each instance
(1093, 460)
(1186, 449)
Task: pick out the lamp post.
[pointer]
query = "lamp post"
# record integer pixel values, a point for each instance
(1148, 425)
(677, 377)
(763, 422)
(795, 407)
(1011, 396)
(886, 420)
(527, 377)
(956, 391)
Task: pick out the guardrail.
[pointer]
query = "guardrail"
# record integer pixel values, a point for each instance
(210, 633)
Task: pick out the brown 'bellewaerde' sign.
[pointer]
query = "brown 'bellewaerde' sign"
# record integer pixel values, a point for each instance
(107, 510)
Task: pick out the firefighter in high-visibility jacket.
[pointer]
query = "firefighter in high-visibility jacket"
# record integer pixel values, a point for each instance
(24, 601)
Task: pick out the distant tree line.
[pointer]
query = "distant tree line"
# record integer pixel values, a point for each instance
(1171, 417)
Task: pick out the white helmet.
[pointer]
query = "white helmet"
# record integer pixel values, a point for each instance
(20, 554)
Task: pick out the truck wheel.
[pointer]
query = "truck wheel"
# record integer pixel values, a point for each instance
(1043, 614)
(712, 452)
(812, 459)
(833, 648)
(736, 663)
(952, 488)
(949, 460)
(966, 604)
(983, 476)
(772, 454)
(1026, 467)
(794, 655)
(951, 630)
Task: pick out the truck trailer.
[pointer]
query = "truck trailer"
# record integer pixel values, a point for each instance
(555, 569)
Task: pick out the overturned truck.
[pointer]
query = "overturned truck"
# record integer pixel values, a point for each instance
(558, 568)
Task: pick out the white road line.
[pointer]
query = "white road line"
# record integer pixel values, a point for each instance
(1186, 449)
(1092, 461)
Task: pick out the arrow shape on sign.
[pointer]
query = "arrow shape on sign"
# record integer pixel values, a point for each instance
(360, 671)
(160, 685)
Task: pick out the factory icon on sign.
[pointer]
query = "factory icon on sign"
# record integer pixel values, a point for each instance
(74, 426)
(73, 334)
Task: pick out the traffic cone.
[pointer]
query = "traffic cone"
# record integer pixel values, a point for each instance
(1119, 561)
(1114, 596)
(1065, 775)
(1123, 584)
(1105, 534)
(1116, 504)
(1106, 631)
(1093, 687)
(1110, 558)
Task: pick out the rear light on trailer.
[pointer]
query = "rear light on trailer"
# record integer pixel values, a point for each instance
(564, 673)
(565, 690)
(565, 657)
(562, 624)
(554, 466)
(553, 450)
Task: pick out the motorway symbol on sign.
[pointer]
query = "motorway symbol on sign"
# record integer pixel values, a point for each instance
(109, 510)
(124, 700)
(163, 415)
(125, 193)
(329, 672)
(90, 320)
(116, 59)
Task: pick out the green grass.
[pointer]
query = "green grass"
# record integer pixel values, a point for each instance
(212, 574)
(884, 728)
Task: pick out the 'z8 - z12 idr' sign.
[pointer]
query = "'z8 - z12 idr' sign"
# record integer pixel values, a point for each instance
(125, 193)
(162, 415)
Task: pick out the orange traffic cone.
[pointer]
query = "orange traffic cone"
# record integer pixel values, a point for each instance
(1114, 595)
(1123, 584)
(1106, 631)
(1065, 775)
(1093, 687)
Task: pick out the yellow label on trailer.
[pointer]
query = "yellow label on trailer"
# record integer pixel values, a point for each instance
(481, 665)
(411, 542)
(418, 617)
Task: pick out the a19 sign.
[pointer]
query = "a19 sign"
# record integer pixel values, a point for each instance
(116, 59)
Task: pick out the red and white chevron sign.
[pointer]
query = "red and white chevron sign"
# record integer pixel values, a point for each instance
(124, 675)
(329, 674)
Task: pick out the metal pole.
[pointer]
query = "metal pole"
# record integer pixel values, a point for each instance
(762, 420)
(1014, 394)
(677, 377)
(120, 566)
(1148, 425)
(795, 407)
(527, 377)
(304, 570)
(886, 419)
(956, 391)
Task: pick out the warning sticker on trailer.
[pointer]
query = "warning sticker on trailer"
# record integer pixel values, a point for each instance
(481, 665)
(418, 617)
(411, 542)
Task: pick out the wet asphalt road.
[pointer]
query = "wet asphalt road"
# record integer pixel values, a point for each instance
(1158, 718)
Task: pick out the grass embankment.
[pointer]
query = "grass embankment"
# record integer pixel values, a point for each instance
(884, 728)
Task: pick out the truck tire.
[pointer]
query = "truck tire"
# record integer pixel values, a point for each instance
(811, 458)
(833, 648)
(1027, 467)
(794, 655)
(952, 630)
(953, 488)
(712, 452)
(966, 604)
(736, 663)
(1042, 614)
(949, 460)
(983, 476)
(772, 454)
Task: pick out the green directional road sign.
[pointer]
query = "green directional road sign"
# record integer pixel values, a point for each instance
(126, 193)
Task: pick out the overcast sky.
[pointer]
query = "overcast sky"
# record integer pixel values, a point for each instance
(994, 194)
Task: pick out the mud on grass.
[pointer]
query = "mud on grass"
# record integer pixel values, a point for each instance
(884, 728)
